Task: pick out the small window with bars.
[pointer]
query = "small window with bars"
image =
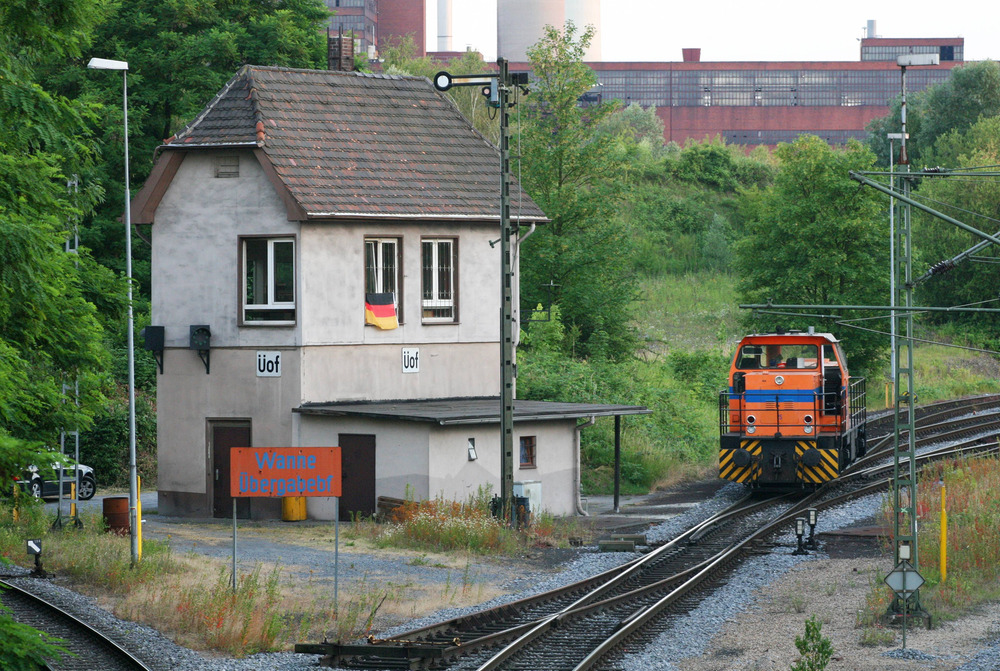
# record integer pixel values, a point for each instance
(438, 303)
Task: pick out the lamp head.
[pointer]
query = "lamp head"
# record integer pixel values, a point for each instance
(106, 64)
(907, 60)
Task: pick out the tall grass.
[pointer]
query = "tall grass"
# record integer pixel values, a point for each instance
(172, 593)
(973, 539)
(973, 544)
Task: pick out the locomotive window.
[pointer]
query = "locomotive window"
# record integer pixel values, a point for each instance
(830, 355)
(752, 357)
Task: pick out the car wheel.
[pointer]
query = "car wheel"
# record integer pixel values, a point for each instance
(87, 488)
(35, 488)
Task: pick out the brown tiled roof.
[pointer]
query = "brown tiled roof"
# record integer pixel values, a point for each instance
(349, 144)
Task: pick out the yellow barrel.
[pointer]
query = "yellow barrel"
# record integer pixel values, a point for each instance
(116, 515)
(293, 508)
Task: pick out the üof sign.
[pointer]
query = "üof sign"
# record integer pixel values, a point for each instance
(268, 364)
(284, 471)
(411, 360)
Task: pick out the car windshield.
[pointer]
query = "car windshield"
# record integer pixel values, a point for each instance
(784, 356)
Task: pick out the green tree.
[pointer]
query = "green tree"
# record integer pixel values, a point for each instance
(637, 125)
(572, 172)
(972, 91)
(49, 332)
(975, 201)
(815, 238)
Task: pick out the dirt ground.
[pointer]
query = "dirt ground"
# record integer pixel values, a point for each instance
(763, 637)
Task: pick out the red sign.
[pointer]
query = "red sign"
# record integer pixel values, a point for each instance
(284, 471)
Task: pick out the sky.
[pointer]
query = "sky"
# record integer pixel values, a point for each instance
(748, 30)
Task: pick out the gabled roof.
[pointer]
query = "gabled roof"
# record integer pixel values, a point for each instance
(348, 144)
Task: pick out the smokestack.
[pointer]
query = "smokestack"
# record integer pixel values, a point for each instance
(871, 28)
(444, 25)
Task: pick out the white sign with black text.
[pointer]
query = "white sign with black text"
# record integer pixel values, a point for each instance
(268, 364)
(411, 359)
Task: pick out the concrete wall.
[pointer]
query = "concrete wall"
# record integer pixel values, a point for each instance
(460, 359)
(401, 463)
(425, 460)
(455, 477)
(187, 398)
(195, 254)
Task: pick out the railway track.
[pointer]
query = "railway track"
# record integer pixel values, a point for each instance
(89, 648)
(585, 625)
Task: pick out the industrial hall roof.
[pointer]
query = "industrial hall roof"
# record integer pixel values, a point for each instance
(349, 144)
(467, 410)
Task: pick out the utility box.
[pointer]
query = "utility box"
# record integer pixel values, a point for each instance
(531, 490)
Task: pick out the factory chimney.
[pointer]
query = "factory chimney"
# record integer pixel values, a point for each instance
(444, 25)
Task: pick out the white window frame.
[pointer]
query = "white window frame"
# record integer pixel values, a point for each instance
(271, 305)
(431, 298)
(381, 286)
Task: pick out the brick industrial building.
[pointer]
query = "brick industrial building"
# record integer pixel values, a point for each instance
(743, 102)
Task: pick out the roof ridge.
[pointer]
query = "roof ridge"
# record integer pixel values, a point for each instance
(339, 73)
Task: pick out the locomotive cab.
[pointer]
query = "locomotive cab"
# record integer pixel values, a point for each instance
(791, 415)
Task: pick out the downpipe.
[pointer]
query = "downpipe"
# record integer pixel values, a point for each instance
(576, 478)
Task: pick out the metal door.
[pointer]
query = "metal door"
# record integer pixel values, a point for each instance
(225, 436)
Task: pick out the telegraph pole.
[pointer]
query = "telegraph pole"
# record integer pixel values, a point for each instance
(497, 87)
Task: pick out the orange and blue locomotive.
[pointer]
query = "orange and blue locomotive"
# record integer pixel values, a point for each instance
(792, 416)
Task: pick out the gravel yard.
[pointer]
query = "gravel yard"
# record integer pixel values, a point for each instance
(751, 623)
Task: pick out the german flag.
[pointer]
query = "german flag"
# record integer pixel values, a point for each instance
(380, 311)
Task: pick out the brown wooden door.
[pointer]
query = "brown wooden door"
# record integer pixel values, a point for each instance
(357, 463)
(224, 437)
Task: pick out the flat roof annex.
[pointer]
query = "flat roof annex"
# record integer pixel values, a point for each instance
(447, 412)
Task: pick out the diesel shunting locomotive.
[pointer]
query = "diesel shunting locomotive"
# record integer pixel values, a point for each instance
(792, 415)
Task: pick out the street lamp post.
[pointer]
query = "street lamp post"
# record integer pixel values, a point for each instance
(105, 64)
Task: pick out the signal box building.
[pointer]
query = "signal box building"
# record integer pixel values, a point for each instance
(297, 207)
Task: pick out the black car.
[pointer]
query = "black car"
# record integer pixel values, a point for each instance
(33, 483)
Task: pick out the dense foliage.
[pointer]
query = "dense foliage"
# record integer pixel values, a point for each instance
(970, 93)
(814, 238)
(574, 173)
(955, 126)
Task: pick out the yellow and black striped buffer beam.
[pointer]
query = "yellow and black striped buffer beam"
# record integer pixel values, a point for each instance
(827, 463)
(729, 460)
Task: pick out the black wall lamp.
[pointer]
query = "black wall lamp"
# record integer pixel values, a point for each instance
(201, 334)
(152, 337)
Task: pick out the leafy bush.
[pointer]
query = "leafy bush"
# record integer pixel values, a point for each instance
(105, 447)
(815, 648)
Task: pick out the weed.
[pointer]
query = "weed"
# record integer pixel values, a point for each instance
(797, 604)
(877, 636)
(816, 649)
